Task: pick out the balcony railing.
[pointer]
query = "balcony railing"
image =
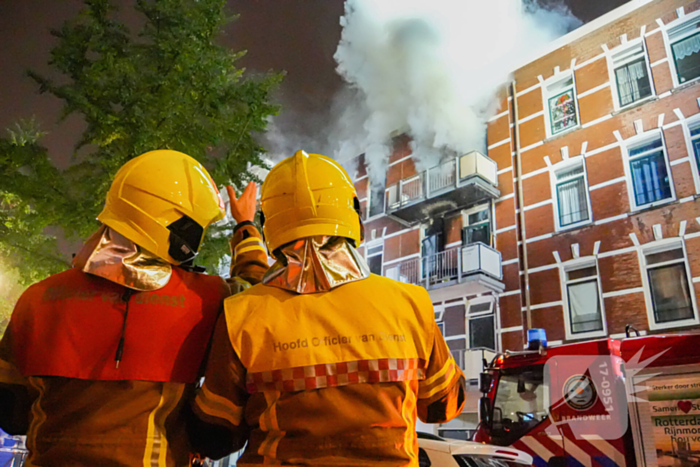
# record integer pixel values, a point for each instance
(450, 265)
(444, 177)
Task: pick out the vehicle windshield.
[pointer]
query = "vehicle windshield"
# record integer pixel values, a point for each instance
(520, 404)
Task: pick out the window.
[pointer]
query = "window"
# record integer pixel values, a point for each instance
(477, 225)
(571, 195)
(482, 324)
(585, 314)
(439, 312)
(377, 197)
(375, 257)
(432, 263)
(684, 41)
(694, 131)
(669, 287)
(649, 172)
(521, 403)
(561, 104)
(631, 75)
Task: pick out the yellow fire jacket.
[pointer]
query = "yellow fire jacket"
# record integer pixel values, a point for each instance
(331, 378)
(76, 416)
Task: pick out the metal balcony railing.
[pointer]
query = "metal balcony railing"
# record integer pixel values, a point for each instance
(449, 175)
(450, 265)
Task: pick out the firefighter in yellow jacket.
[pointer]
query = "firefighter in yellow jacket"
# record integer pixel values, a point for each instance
(99, 362)
(324, 363)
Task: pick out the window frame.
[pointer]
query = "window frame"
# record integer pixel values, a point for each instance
(439, 313)
(473, 210)
(469, 316)
(613, 77)
(554, 184)
(688, 125)
(693, 17)
(575, 265)
(548, 94)
(632, 143)
(659, 247)
(369, 216)
(374, 244)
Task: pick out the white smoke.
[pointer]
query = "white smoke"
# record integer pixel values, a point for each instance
(430, 69)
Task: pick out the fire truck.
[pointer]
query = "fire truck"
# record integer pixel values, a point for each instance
(629, 402)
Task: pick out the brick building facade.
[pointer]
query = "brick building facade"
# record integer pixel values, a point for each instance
(607, 125)
(604, 130)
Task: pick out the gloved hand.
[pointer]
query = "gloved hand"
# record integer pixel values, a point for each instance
(243, 208)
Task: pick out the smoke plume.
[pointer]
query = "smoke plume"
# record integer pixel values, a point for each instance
(427, 68)
(431, 69)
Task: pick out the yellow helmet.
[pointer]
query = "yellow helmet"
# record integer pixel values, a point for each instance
(307, 195)
(163, 201)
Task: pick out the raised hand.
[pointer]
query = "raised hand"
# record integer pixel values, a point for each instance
(243, 208)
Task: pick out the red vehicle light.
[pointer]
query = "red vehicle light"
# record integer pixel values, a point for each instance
(508, 453)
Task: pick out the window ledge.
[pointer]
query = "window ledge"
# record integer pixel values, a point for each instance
(675, 325)
(563, 133)
(652, 206)
(585, 336)
(687, 84)
(636, 104)
(375, 217)
(571, 228)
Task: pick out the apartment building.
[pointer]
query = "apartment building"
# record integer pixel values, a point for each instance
(434, 228)
(599, 140)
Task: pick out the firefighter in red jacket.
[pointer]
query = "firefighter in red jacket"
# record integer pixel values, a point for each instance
(324, 363)
(98, 362)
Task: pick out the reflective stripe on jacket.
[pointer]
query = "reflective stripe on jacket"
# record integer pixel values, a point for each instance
(330, 378)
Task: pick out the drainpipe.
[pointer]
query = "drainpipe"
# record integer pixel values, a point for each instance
(521, 204)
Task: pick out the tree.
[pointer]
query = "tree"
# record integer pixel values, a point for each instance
(168, 85)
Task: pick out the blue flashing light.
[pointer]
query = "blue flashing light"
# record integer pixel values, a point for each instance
(535, 337)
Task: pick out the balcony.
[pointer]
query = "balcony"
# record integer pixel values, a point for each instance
(475, 268)
(456, 184)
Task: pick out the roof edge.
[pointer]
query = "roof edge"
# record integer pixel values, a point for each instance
(586, 29)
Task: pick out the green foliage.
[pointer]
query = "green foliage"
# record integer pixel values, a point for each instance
(168, 85)
(10, 290)
(32, 199)
(25, 132)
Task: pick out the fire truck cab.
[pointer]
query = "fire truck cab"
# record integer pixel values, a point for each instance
(606, 402)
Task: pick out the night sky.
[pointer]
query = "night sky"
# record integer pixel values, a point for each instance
(299, 36)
